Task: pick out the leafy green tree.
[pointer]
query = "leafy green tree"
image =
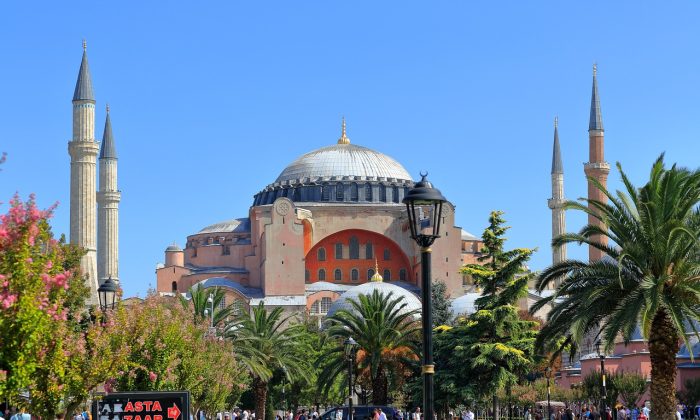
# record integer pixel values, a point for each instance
(265, 341)
(691, 395)
(502, 275)
(591, 387)
(199, 304)
(387, 335)
(648, 278)
(630, 387)
(442, 311)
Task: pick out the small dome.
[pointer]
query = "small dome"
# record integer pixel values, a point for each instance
(343, 302)
(233, 225)
(173, 248)
(465, 304)
(341, 160)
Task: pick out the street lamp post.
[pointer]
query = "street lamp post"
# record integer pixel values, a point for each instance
(601, 354)
(350, 345)
(549, 405)
(107, 293)
(424, 206)
(210, 301)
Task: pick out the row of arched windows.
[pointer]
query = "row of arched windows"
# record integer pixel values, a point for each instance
(354, 251)
(355, 275)
(355, 192)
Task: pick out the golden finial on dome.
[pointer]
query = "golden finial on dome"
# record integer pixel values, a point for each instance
(343, 136)
(376, 277)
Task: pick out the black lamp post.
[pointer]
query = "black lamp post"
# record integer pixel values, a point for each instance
(350, 345)
(107, 294)
(602, 373)
(549, 405)
(424, 206)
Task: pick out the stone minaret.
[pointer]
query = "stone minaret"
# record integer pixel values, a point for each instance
(108, 199)
(596, 167)
(83, 153)
(556, 203)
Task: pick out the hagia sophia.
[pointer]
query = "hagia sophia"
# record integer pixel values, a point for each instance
(331, 225)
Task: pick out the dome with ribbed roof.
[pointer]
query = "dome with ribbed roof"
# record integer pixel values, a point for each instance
(343, 302)
(344, 160)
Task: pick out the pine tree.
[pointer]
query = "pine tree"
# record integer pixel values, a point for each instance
(442, 312)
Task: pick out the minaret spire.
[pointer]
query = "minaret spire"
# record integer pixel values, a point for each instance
(343, 136)
(556, 203)
(83, 151)
(596, 168)
(108, 199)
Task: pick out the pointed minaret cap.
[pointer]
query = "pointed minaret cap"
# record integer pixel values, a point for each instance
(376, 277)
(107, 150)
(343, 136)
(557, 166)
(596, 120)
(83, 87)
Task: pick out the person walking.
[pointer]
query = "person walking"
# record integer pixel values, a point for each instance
(416, 414)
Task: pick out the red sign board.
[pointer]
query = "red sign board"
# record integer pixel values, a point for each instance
(142, 406)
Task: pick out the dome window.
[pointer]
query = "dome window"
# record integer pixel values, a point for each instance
(395, 194)
(370, 273)
(322, 275)
(355, 275)
(339, 192)
(338, 251)
(338, 275)
(322, 254)
(387, 254)
(387, 275)
(325, 192)
(402, 274)
(354, 194)
(325, 305)
(368, 192)
(382, 193)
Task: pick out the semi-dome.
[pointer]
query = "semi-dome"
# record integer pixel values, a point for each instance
(344, 160)
(233, 225)
(343, 302)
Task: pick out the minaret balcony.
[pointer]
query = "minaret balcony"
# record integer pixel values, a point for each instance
(603, 166)
(554, 203)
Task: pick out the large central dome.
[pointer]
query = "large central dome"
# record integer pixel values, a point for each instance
(344, 160)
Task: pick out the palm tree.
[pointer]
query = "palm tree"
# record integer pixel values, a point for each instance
(650, 278)
(265, 342)
(387, 335)
(199, 297)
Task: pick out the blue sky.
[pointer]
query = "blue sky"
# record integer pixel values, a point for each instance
(211, 100)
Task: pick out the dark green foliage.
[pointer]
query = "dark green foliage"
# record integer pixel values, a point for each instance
(691, 395)
(442, 312)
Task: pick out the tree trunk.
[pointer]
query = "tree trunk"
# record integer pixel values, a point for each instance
(379, 388)
(260, 392)
(663, 346)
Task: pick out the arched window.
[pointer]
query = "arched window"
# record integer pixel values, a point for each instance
(354, 248)
(222, 302)
(237, 307)
(370, 273)
(368, 192)
(354, 195)
(387, 254)
(387, 275)
(338, 251)
(307, 276)
(322, 254)
(174, 287)
(338, 275)
(297, 194)
(325, 305)
(382, 193)
(395, 194)
(402, 274)
(355, 275)
(339, 192)
(321, 275)
(315, 308)
(369, 251)
(325, 192)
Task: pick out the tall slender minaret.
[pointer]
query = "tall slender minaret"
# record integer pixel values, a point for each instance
(596, 167)
(108, 209)
(83, 153)
(556, 203)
